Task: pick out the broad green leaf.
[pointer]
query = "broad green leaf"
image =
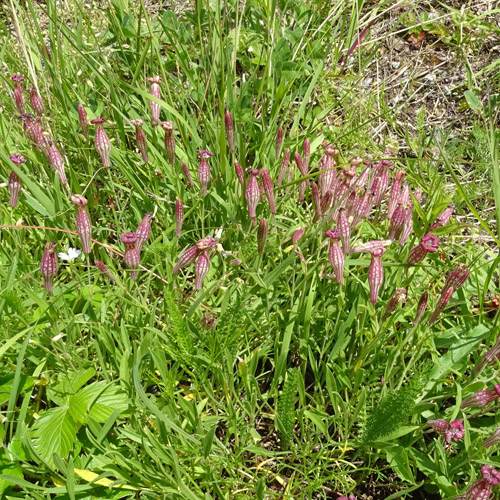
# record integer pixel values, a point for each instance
(54, 432)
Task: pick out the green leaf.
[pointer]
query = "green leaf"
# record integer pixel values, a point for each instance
(54, 432)
(472, 100)
(8, 467)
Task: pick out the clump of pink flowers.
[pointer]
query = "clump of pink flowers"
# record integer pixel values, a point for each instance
(450, 430)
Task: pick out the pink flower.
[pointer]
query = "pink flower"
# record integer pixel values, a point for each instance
(57, 161)
(262, 234)
(442, 219)
(239, 173)
(19, 101)
(327, 179)
(443, 300)
(283, 168)
(451, 430)
(421, 307)
(187, 173)
(132, 256)
(268, 189)
(344, 230)
(457, 277)
(395, 193)
(187, 258)
(481, 489)
(103, 268)
(428, 244)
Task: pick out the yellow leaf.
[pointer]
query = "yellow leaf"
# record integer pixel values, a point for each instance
(91, 477)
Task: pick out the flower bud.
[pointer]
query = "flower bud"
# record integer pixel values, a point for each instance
(208, 320)
(421, 307)
(283, 168)
(14, 181)
(201, 269)
(262, 234)
(169, 141)
(239, 173)
(103, 268)
(83, 225)
(268, 189)
(154, 106)
(19, 101)
(143, 231)
(252, 193)
(327, 180)
(36, 101)
(48, 265)
(457, 277)
(344, 230)
(397, 222)
(179, 217)
(395, 193)
(204, 170)
(187, 174)
(392, 303)
(140, 139)
(279, 143)
(57, 161)
(442, 219)
(335, 254)
(187, 258)
(493, 439)
(102, 142)
(376, 273)
(481, 399)
(82, 117)
(428, 244)
(443, 300)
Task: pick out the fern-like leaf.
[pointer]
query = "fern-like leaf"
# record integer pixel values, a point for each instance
(285, 414)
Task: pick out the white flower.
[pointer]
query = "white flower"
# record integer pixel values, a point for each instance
(71, 256)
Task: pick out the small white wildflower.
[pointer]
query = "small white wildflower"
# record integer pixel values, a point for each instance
(71, 256)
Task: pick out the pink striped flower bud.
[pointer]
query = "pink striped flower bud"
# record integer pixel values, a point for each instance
(170, 141)
(457, 277)
(397, 222)
(201, 269)
(451, 430)
(57, 161)
(381, 182)
(428, 244)
(350, 203)
(36, 101)
(262, 234)
(83, 226)
(205, 243)
(283, 168)
(297, 235)
(179, 217)
(369, 246)
(48, 265)
(395, 193)
(443, 219)
(344, 230)
(392, 303)
(239, 173)
(408, 223)
(421, 307)
(228, 121)
(14, 181)
(481, 399)
(279, 143)
(361, 207)
(154, 106)
(335, 254)
(440, 425)
(493, 439)
(102, 142)
(187, 174)
(140, 139)
(143, 231)
(404, 197)
(268, 189)
(252, 193)
(19, 101)
(303, 172)
(307, 154)
(132, 256)
(376, 273)
(362, 181)
(325, 203)
(490, 357)
(204, 170)
(443, 300)
(186, 258)
(328, 179)
(103, 268)
(82, 117)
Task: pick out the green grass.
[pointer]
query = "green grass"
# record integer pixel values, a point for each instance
(115, 390)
